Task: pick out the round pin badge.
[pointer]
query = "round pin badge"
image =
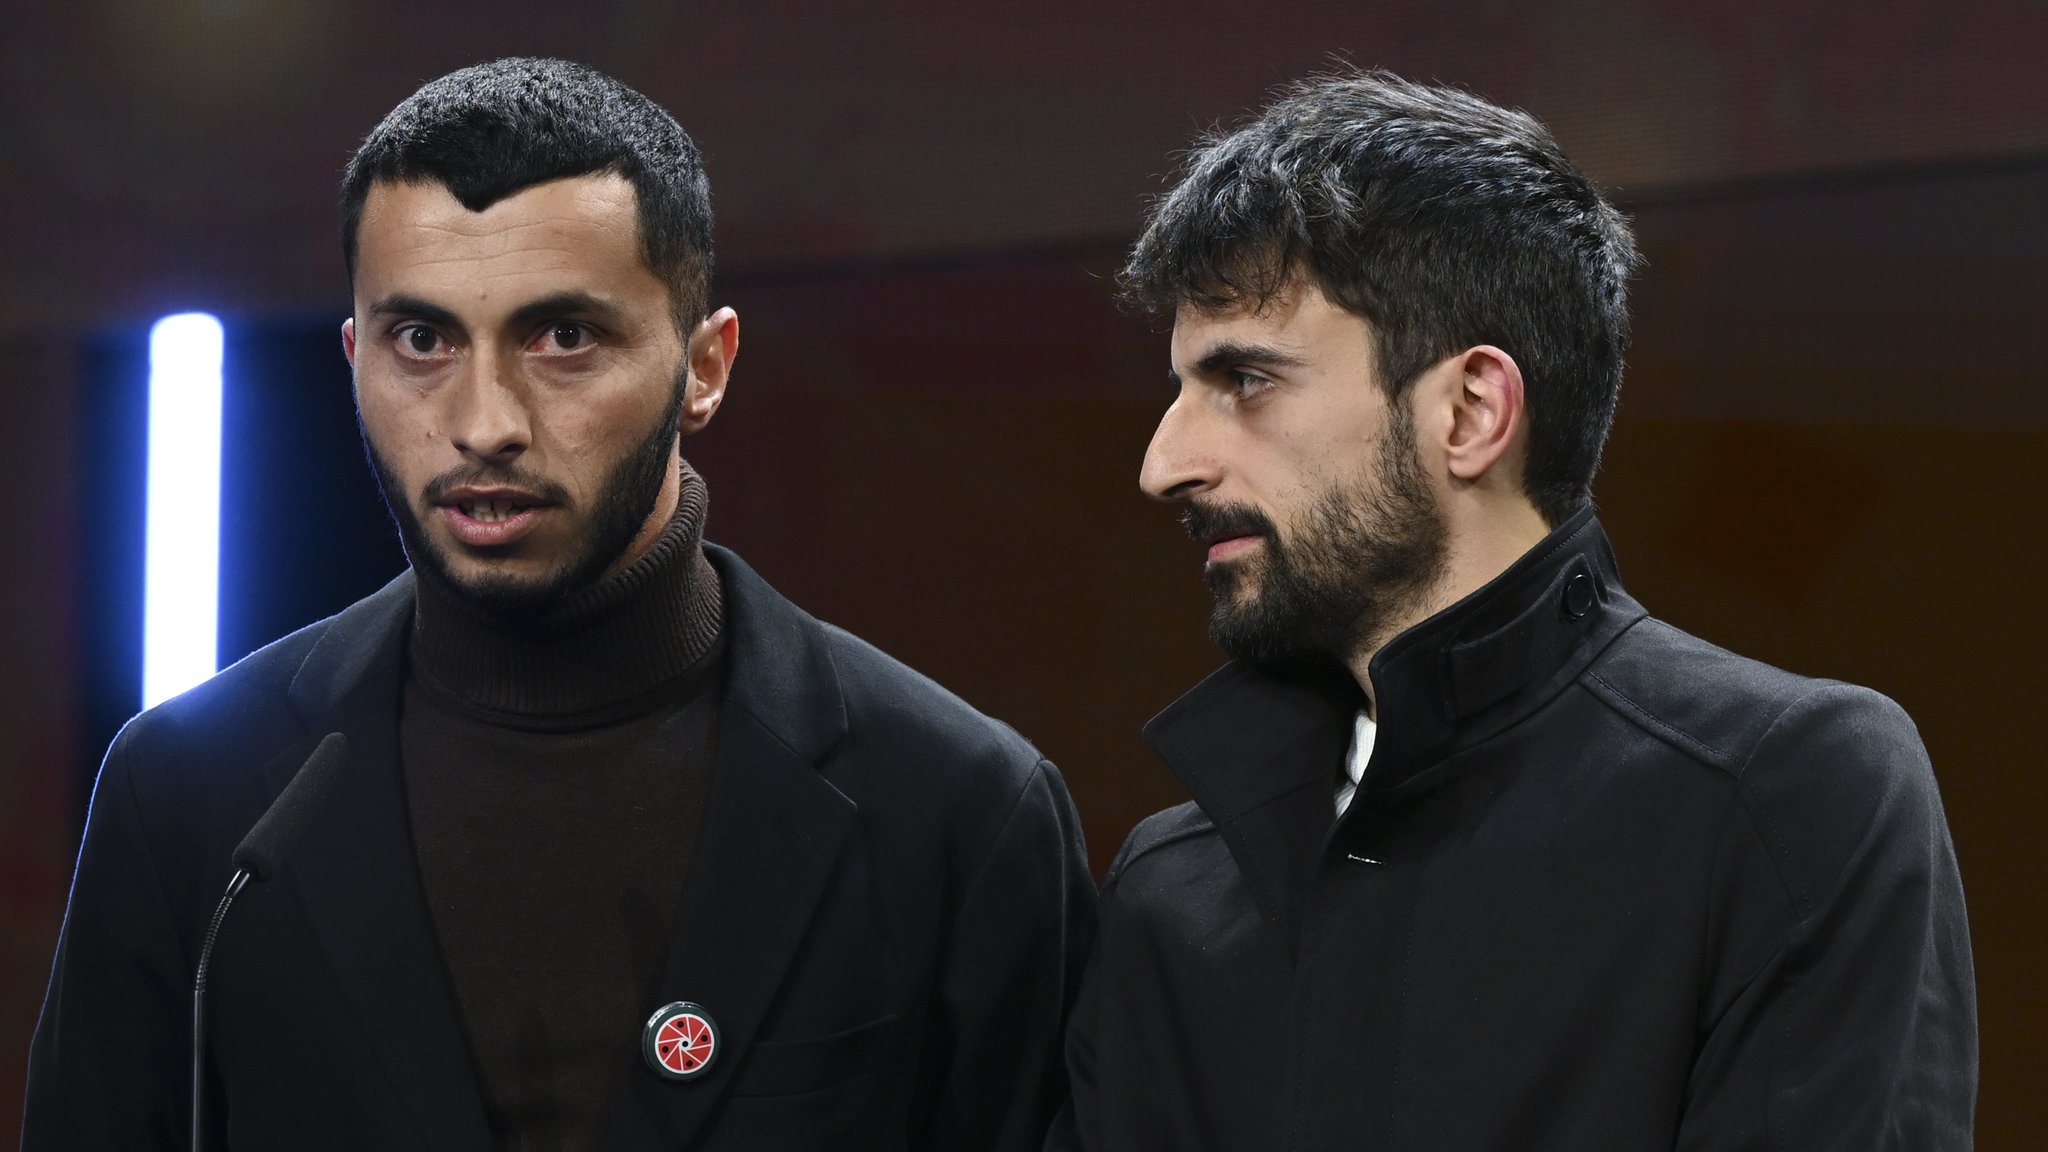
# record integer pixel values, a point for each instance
(680, 1041)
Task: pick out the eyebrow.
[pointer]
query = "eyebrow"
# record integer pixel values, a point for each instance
(583, 305)
(1237, 354)
(550, 307)
(415, 308)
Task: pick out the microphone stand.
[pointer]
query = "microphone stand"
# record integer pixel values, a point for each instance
(256, 858)
(199, 1010)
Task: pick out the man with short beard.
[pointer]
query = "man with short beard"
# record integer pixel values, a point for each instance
(1480, 855)
(624, 850)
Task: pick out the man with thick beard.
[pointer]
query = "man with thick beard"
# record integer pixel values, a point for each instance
(622, 849)
(1480, 856)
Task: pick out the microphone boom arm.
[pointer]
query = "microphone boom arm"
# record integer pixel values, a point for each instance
(199, 1008)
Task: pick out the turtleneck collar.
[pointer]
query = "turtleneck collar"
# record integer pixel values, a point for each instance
(614, 645)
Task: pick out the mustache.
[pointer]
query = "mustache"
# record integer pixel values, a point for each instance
(494, 476)
(1206, 522)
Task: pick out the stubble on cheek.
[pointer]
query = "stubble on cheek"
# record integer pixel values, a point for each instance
(592, 533)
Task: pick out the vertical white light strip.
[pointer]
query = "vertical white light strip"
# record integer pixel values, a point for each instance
(181, 597)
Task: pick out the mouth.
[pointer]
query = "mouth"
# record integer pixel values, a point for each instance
(1225, 531)
(1224, 547)
(489, 518)
(491, 511)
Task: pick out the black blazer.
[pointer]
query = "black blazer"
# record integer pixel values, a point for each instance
(885, 917)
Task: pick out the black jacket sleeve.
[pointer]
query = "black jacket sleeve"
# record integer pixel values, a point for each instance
(1018, 943)
(1842, 1008)
(116, 1022)
(1082, 1113)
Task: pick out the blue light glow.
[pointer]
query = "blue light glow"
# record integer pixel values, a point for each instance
(181, 598)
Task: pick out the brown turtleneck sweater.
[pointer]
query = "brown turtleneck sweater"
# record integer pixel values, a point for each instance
(556, 771)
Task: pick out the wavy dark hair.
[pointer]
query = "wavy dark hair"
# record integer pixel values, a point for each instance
(1445, 221)
(490, 131)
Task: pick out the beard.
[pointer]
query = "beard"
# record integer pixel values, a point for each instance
(1366, 551)
(624, 502)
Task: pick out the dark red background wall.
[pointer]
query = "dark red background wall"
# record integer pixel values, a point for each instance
(1830, 452)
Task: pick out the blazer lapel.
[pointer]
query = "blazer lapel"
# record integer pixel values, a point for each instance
(773, 830)
(358, 880)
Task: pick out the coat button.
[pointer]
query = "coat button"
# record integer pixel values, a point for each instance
(1578, 596)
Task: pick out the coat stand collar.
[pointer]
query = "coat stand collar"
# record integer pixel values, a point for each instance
(1259, 750)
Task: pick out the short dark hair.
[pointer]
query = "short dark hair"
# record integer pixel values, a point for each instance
(1443, 220)
(490, 131)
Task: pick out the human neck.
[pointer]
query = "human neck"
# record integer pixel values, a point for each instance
(1482, 541)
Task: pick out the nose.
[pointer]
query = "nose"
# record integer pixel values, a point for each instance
(1175, 465)
(487, 416)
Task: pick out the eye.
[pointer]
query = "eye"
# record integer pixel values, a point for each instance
(563, 336)
(1244, 386)
(418, 341)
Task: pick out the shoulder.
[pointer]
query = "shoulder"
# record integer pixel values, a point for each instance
(1822, 769)
(795, 671)
(937, 779)
(240, 702)
(234, 721)
(889, 703)
(1703, 699)
(183, 781)
(1842, 775)
(1155, 835)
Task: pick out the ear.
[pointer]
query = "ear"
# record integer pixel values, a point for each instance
(713, 347)
(348, 340)
(1487, 409)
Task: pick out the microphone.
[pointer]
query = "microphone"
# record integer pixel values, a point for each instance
(256, 857)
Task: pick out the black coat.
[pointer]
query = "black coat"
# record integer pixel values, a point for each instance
(1604, 886)
(885, 917)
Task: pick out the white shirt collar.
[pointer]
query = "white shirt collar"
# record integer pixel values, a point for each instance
(1363, 733)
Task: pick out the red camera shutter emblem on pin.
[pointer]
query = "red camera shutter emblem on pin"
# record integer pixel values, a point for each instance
(680, 1041)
